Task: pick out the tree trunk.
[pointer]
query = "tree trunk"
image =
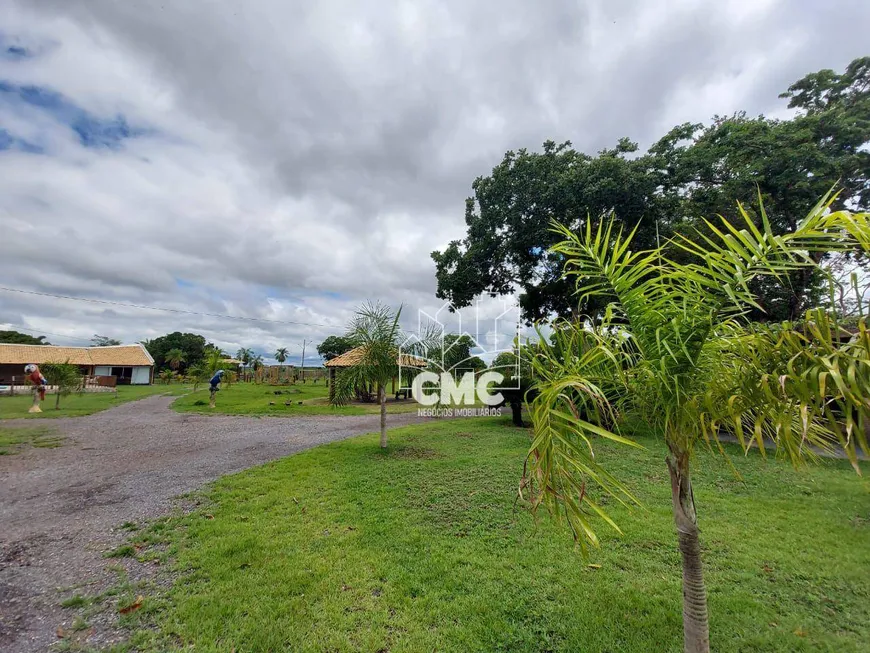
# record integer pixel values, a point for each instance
(57, 399)
(382, 400)
(696, 623)
(517, 413)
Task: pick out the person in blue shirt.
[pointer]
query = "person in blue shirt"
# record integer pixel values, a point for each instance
(213, 385)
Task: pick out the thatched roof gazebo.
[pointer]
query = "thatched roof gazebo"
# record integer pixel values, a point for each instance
(352, 357)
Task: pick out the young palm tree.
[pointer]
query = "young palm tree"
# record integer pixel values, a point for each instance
(174, 358)
(673, 349)
(214, 362)
(375, 329)
(197, 374)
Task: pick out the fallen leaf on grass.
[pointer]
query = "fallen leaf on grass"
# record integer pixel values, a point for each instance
(593, 566)
(135, 605)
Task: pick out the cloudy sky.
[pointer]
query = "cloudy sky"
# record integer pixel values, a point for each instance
(286, 160)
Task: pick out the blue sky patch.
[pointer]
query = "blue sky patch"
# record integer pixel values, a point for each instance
(10, 142)
(92, 131)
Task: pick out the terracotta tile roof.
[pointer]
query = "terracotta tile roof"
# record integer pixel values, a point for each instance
(121, 355)
(352, 357)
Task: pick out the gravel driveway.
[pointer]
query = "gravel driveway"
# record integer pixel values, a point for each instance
(60, 508)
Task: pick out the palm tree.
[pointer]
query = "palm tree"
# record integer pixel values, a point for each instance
(256, 363)
(197, 374)
(174, 358)
(281, 356)
(245, 354)
(214, 362)
(673, 349)
(375, 330)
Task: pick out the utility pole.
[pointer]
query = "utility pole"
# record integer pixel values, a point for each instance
(302, 372)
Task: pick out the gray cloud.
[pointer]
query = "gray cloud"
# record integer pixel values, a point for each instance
(305, 156)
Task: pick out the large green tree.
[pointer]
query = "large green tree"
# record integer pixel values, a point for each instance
(507, 245)
(694, 170)
(674, 349)
(333, 346)
(192, 346)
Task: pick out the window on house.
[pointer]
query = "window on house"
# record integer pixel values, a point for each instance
(123, 375)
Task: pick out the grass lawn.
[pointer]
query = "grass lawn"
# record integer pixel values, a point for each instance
(260, 399)
(15, 439)
(75, 405)
(347, 548)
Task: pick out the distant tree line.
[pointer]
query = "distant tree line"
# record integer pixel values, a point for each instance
(18, 338)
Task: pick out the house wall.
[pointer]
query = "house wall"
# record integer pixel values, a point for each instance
(141, 376)
(141, 373)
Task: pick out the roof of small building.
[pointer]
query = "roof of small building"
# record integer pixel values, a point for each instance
(116, 356)
(352, 357)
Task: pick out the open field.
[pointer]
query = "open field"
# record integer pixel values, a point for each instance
(261, 399)
(421, 548)
(75, 405)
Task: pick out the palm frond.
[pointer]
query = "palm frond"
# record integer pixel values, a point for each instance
(674, 349)
(578, 375)
(603, 265)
